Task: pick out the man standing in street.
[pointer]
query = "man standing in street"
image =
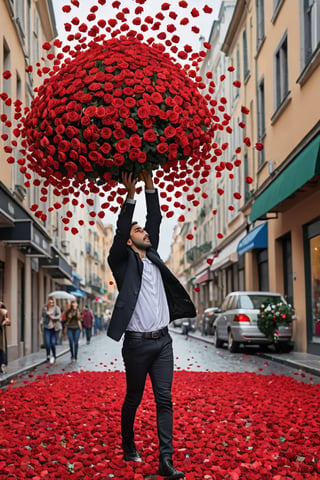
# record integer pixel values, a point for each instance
(150, 296)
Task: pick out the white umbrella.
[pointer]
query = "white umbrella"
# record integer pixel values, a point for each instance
(61, 294)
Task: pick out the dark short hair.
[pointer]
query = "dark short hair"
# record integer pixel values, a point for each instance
(132, 225)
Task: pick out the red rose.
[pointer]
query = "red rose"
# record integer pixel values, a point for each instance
(90, 111)
(123, 145)
(162, 147)
(6, 74)
(142, 157)
(119, 133)
(105, 133)
(169, 131)
(134, 154)
(118, 159)
(130, 123)
(130, 102)
(156, 97)
(105, 148)
(135, 140)
(143, 112)
(150, 135)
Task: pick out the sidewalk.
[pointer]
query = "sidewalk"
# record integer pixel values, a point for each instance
(29, 362)
(299, 360)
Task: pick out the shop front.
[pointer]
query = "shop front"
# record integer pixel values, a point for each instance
(312, 266)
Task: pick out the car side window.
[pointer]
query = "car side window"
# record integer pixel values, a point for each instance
(224, 304)
(233, 302)
(246, 302)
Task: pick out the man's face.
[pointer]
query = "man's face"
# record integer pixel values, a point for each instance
(139, 238)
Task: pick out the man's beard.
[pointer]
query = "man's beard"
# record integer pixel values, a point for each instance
(143, 245)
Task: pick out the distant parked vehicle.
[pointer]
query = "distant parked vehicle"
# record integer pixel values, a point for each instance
(179, 323)
(237, 323)
(207, 321)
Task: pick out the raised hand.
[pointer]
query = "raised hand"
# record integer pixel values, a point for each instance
(146, 177)
(129, 181)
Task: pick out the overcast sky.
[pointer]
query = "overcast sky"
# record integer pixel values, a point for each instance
(204, 22)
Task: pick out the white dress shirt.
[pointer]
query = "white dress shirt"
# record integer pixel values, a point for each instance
(151, 312)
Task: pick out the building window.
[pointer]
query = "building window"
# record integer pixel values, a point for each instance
(236, 91)
(245, 55)
(276, 4)
(263, 270)
(281, 73)
(246, 174)
(35, 39)
(260, 22)
(261, 110)
(6, 86)
(20, 17)
(311, 26)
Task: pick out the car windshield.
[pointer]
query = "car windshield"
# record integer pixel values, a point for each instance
(252, 301)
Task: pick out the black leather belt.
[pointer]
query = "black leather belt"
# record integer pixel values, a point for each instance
(155, 334)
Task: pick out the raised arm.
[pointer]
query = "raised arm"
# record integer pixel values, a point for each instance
(118, 249)
(154, 217)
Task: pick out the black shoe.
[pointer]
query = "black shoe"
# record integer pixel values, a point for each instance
(130, 453)
(167, 470)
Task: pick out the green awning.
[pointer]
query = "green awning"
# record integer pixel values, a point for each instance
(305, 166)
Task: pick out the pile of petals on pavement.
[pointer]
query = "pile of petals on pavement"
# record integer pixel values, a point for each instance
(226, 426)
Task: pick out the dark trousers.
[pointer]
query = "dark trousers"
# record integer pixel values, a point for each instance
(73, 337)
(154, 357)
(88, 334)
(50, 341)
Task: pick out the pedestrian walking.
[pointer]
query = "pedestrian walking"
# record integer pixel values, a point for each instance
(186, 327)
(87, 322)
(4, 323)
(74, 327)
(106, 319)
(50, 321)
(149, 298)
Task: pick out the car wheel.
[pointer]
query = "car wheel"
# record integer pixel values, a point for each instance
(232, 345)
(218, 343)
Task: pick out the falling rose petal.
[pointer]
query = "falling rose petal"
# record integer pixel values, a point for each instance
(189, 236)
(209, 261)
(6, 74)
(196, 289)
(219, 235)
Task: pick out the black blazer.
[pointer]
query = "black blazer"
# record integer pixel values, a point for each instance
(127, 267)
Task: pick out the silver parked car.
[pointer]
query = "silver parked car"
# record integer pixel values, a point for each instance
(237, 322)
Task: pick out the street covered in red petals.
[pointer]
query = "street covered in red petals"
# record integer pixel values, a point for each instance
(237, 426)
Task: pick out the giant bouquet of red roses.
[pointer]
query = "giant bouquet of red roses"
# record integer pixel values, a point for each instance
(119, 105)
